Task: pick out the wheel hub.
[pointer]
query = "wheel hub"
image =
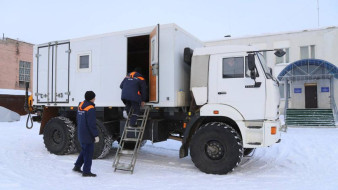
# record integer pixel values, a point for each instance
(214, 150)
(57, 136)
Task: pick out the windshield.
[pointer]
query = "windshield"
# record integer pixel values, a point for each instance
(265, 67)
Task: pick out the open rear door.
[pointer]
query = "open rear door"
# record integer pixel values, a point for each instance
(154, 64)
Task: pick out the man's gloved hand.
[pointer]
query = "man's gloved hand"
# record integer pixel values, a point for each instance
(142, 104)
(97, 139)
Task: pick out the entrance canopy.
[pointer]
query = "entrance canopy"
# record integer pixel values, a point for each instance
(306, 69)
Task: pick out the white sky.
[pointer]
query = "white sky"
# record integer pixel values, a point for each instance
(40, 21)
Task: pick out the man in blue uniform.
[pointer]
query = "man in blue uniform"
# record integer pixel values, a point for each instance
(134, 94)
(87, 134)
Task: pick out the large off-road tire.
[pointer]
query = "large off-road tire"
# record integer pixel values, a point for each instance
(58, 136)
(103, 147)
(216, 148)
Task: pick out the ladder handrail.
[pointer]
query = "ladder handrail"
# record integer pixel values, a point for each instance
(140, 132)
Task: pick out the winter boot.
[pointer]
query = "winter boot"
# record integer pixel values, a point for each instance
(77, 169)
(88, 174)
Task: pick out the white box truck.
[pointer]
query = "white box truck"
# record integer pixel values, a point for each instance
(220, 102)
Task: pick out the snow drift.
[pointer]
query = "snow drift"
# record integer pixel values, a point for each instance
(7, 115)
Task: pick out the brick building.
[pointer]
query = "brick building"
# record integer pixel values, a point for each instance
(16, 59)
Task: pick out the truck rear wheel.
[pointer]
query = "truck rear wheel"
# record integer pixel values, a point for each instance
(103, 147)
(216, 148)
(58, 136)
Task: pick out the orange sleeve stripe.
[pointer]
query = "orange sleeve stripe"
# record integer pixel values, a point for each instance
(141, 78)
(80, 106)
(132, 74)
(88, 108)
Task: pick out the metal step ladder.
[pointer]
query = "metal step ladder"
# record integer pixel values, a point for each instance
(126, 159)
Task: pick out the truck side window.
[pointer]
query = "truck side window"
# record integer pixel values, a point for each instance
(84, 62)
(233, 67)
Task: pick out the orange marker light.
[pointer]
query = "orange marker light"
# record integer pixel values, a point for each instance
(273, 130)
(71, 108)
(216, 112)
(184, 125)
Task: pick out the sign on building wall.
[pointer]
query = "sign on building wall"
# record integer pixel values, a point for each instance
(297, 90)
(325, 89)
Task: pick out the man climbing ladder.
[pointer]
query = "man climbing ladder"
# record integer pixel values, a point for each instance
(134, 94)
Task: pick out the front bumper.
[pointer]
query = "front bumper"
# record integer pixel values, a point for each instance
(262, 134)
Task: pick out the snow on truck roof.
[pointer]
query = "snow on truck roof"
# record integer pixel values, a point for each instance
(225, 49)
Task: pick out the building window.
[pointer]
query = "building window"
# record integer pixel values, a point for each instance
(84, 62)
(233, 67)
(24, 73)
(285, 58)
(307, 52)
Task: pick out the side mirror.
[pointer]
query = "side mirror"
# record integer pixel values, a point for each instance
(188, 55)
(251, 62)
(252, 65)
(279, 53)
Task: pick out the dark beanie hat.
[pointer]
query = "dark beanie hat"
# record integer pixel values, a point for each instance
(89, 95)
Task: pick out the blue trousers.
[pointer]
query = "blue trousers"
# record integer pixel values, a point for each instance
(85, 157)
(136, 107)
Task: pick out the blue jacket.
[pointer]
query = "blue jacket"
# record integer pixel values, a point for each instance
(134, 88)
(86, 122)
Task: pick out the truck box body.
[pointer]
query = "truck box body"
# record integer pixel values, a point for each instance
(65, 70)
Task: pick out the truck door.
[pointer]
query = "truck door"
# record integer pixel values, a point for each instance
(61, 75)
(154, 64)
(44, 74)
(53, 73)
(235, 87)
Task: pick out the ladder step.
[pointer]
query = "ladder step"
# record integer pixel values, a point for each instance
(134, 128)
(127, 152)
(125, 167)
(130, 139)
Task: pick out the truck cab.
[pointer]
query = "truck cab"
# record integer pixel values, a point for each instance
(223, 85)
(232, 88)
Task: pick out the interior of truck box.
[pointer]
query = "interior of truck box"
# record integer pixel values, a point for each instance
(138, 55)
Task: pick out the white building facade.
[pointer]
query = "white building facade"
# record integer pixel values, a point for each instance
(308, 72)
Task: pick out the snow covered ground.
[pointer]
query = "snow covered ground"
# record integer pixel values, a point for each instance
(305, 159)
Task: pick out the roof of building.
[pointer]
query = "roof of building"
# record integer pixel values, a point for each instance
(275, 34)
(11, 40)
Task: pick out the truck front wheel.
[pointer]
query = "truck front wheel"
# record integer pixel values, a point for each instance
(216, 148)
(58, 136)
